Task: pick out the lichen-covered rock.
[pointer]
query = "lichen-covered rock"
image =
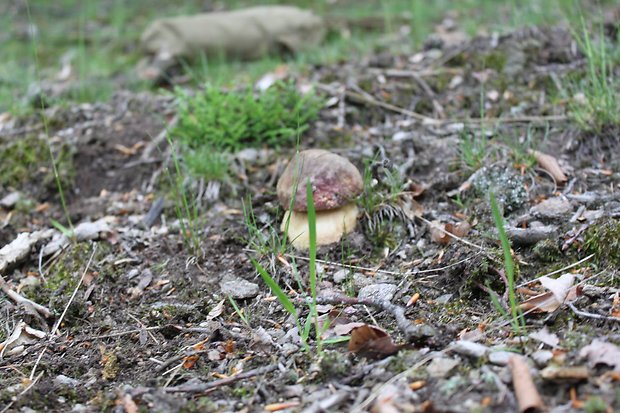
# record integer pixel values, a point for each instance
(506, 184)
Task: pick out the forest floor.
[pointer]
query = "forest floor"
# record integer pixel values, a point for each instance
(141, 319)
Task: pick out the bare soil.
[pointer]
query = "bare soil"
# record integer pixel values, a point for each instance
(144, 326)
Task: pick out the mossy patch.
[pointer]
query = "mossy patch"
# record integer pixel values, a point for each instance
(603, 240)
(63, 277)
(27, 159)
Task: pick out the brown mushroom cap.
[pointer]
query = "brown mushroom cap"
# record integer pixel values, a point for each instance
(335, 181)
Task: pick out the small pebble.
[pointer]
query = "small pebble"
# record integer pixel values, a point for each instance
(378, 292)
(500, 358)
(238, 288)
(469, 348)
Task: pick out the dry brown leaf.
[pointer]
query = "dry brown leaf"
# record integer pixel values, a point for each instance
(189, 361)
(602, 352)
(371, 342)
(527, 396)
(460, 229)
(438, 233)
(561, 291)
(551, 165)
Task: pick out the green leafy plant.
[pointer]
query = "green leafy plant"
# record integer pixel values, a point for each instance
(213, 123)
(516, 317)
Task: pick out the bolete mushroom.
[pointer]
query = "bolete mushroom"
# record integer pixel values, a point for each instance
(335, 181)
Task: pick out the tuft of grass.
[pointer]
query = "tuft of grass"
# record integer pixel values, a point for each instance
(594, 103)
(516, 317)
(213, 123)
(473, 149)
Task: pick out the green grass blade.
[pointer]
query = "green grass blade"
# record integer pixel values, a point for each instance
(312, 237)
(275, 289)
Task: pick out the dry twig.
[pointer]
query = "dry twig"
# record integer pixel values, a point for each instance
(203, 387)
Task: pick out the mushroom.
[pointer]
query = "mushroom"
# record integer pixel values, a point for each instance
(335, 181)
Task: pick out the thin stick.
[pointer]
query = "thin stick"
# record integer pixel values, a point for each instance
(203, 387)
(19, 299)
(357, 267)
(581, 261)
(591, 315)
(411, 331)
(8, 406)
(437, 122)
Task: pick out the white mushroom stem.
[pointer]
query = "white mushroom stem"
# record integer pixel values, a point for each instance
(331, 225)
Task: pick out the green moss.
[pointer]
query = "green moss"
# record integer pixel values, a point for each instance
(548, 250)
(63, 276)
(334, 364)
(603, 240)
(27, 159)
(494, 60)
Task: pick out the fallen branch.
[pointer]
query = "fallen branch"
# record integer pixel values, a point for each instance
(413, 332)
(203, 387)
(591, 315)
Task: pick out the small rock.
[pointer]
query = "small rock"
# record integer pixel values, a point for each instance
(441, 367)
(238, 288)
(402, 136)
(542, 357)
(361, 281)
(444, 299)
(500, 358)
(470, 349)
(65, 381)
(377, 292)
(340, 276)
(91, 230)
(552, 208)
(10, 200)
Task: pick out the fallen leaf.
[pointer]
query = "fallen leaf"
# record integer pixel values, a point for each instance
(440, 232)
(344, 329)
(216, 311)
(189, 361)
(602, 352)
(21, 336)
(546, 337)
(560, 286)
(371, 342)
(551, 165)
(561, 291)
(460, 229)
